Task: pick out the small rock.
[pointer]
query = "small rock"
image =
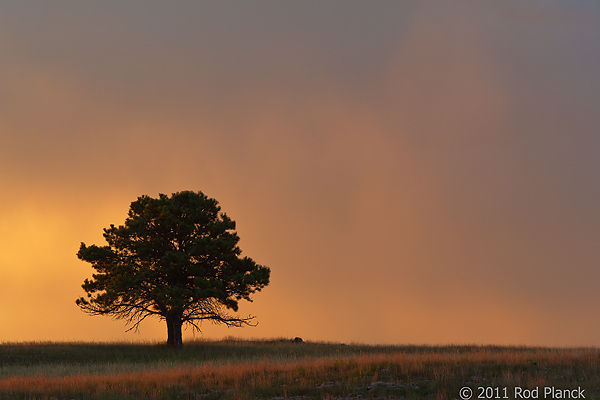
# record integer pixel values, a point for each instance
(374, 385)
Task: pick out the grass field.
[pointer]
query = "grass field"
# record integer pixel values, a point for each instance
(278, 369)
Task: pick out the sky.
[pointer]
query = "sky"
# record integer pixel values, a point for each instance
(414, 172)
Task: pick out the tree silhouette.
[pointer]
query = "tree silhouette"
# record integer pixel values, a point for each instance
(175, 258)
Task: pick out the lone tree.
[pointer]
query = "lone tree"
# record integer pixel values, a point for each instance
(175, 258)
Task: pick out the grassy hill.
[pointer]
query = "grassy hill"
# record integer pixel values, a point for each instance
(278, 369)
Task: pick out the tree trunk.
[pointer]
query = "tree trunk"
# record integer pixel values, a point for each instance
(174, 337)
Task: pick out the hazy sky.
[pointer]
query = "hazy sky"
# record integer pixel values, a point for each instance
(411, 172)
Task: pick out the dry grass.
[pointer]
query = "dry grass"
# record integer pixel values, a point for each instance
(278, 369)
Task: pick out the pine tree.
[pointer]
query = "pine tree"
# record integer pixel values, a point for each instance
(176, 258)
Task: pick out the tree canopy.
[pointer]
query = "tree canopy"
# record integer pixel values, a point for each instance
(176, 258)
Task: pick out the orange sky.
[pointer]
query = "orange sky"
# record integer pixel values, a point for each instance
(411, 173)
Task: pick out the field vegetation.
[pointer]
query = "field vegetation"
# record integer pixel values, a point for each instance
(279, 369)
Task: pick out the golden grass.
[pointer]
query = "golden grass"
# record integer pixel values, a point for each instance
(399, 372)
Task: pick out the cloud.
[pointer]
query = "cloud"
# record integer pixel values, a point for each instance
(404, 172)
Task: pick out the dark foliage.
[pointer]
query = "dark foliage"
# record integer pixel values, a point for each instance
(176, 258)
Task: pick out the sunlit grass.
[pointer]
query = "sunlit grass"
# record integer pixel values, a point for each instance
(280, 369)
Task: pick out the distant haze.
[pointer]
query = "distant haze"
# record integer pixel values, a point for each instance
(411, 172)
